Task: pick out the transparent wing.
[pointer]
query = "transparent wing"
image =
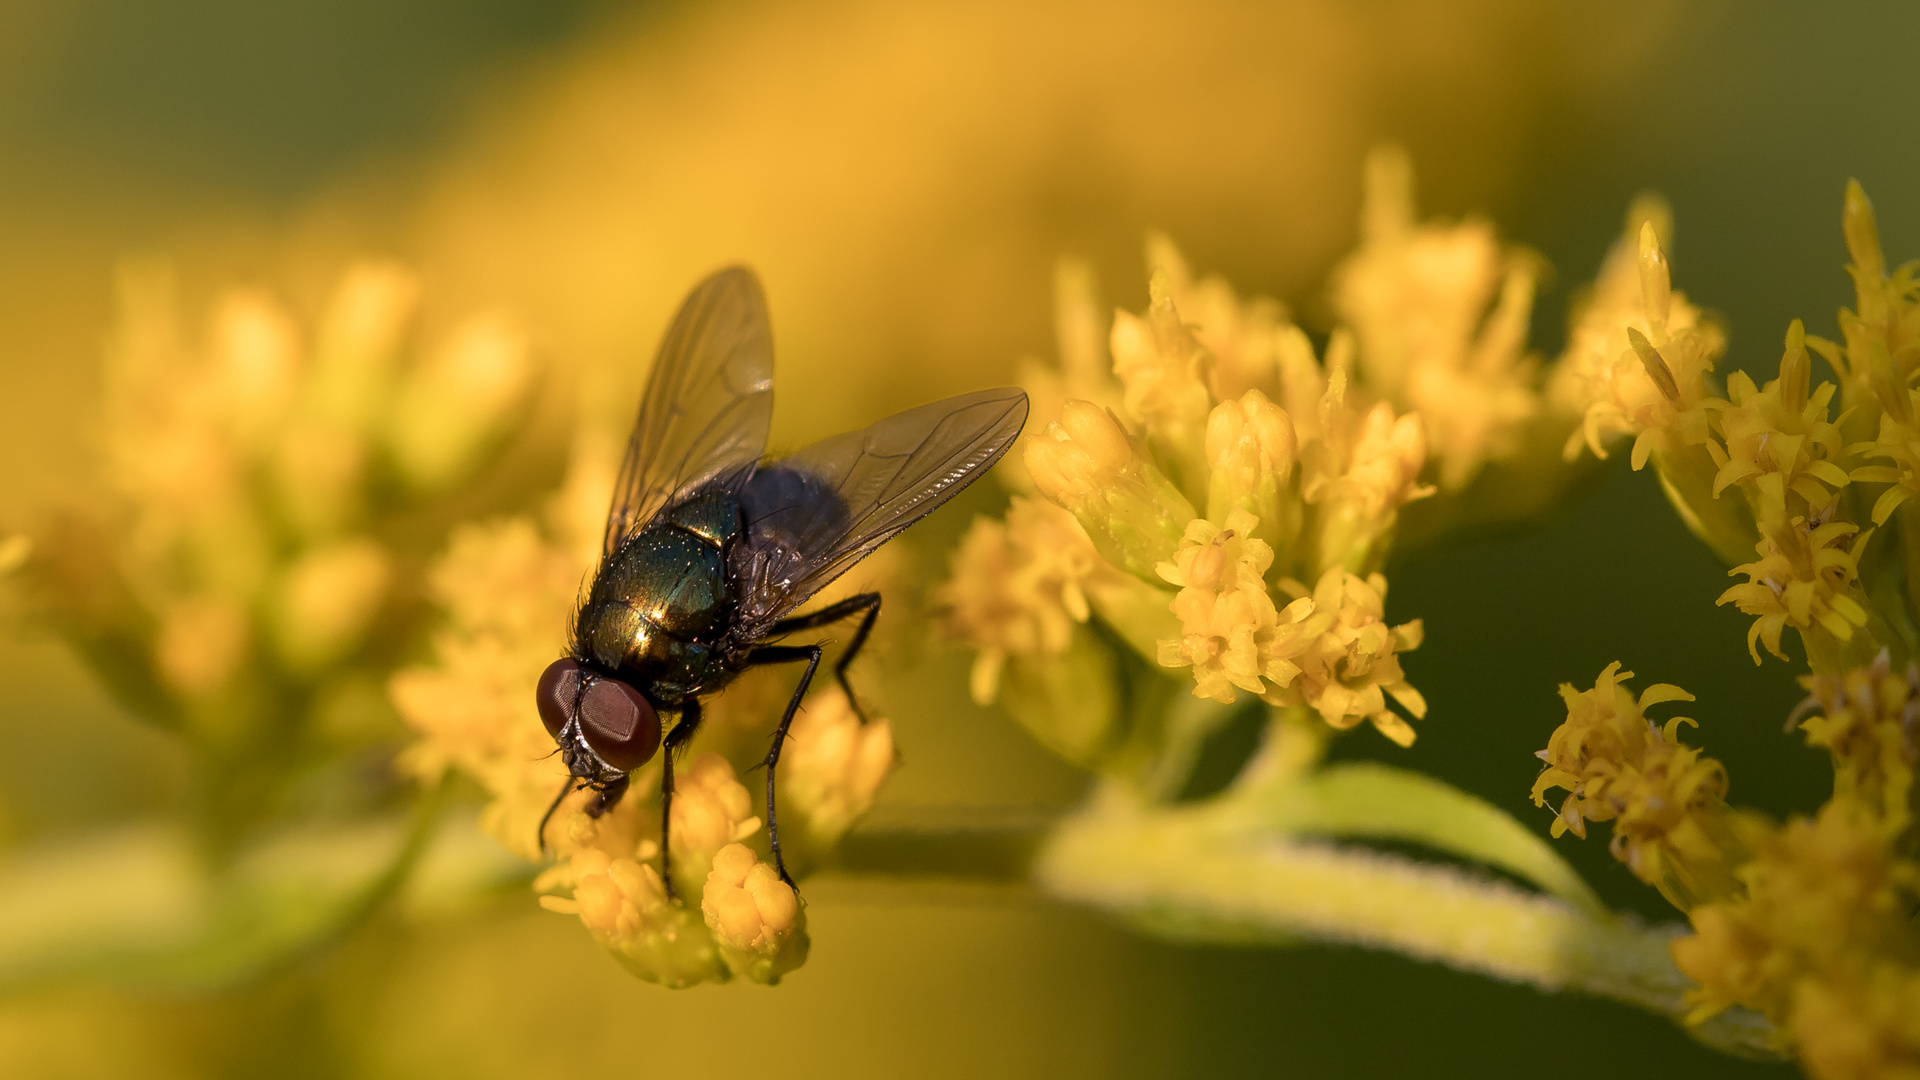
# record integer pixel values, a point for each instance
(813, 515)
(707, 403)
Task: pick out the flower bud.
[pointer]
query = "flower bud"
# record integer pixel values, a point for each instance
(15, 550)
(326, 601)
(830, 768)
(359, 340)
(201, 643)
(450, 406)
(624, 906)
(1086, 463)
(256, 357)
(1250, 448)
(1163, 369)
(755, 917)
(1857, 224)
(711, 809)
(1656, 281)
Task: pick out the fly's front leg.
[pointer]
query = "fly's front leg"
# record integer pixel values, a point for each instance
(566, 789)
(867, 603)
(784, 654)
(675, 740)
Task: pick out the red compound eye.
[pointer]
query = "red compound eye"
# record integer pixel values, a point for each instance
(557, 694)
(619, 724)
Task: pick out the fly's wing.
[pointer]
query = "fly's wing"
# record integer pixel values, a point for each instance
(813, 515)
(707, 404)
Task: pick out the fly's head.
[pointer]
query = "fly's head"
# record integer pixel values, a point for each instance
(605, 728)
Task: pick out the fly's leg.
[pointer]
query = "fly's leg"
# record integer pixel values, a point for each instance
(675, 740)
(785, 654)
(868, 602)
(566, 789)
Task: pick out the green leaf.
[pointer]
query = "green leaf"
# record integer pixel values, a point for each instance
(1381, 802)
(136, 906)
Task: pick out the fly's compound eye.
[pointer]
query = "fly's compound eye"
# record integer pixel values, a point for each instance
(559, 689)
(619, 724)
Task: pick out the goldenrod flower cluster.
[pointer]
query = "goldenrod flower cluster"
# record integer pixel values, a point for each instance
(1225, 493)
(1812, 923)
(240, 584)
(1222, 493)
(508, 589)
(1667, 802)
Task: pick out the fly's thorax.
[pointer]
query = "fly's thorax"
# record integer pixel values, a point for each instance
(661, 605)
(713, 515)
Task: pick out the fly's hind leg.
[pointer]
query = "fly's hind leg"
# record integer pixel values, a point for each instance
(785, 654)
(676, 740)
(867, 605)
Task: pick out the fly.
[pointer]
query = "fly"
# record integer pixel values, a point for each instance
(709, 549)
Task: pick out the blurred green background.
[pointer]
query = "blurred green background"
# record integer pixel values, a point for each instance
(904, 180)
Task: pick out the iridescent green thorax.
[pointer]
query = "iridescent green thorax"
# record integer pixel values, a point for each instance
(660, 606)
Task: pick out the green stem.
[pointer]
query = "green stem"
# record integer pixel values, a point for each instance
(1160, 870)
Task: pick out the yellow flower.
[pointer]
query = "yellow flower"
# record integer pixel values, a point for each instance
(755, 918)
(1231, 634)
(1331, 651)
(1882, 336)
(1350, 663)
(1869, 720)
(1866, 1029)
(1898, 441)
(1667, 801)
(1616, 388)
(1778, 441)
(508, 594)
(1083, 371)
(1417, 298)
(1017, 588)
(1803, 579)
(1824, 902)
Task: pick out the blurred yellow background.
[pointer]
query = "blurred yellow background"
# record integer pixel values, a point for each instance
(903, 177)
